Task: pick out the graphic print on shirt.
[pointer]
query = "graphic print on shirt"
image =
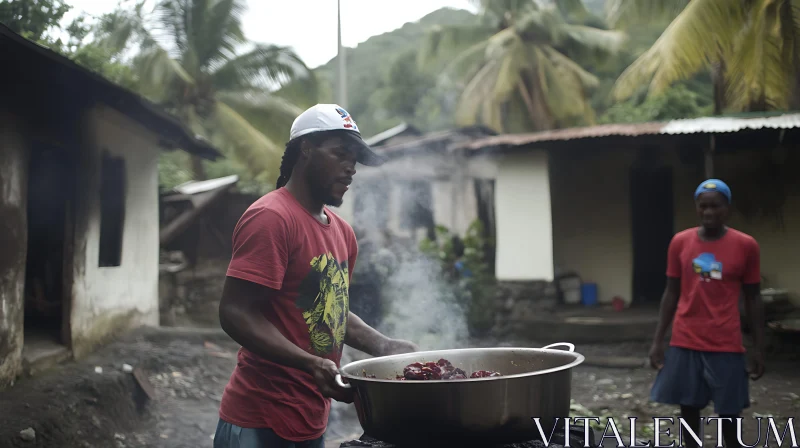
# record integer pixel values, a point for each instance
(707, 267)
(325, 301)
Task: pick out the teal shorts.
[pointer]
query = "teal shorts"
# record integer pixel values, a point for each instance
(232, 436)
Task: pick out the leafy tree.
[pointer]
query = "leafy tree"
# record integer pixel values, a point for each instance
(674, 103)
(195, 68)
(519, 68)
(751, 47)
(32, 19)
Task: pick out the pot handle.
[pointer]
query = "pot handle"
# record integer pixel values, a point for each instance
(557, 344)
(340, 382)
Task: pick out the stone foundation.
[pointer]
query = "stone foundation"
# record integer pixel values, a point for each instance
(519, 303)
(191, 297)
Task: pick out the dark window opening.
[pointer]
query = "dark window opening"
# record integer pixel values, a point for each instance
(112, 210)
(418, 208)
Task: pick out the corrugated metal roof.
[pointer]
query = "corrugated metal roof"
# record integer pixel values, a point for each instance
(417, 142)
(704, 125)
(195, 187)
(606, 130)
(712, 125)
(401, 129)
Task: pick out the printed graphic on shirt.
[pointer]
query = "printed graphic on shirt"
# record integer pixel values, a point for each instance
(707, 267)
(325, 301)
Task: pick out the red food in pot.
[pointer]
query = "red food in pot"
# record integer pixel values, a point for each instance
(440, 370)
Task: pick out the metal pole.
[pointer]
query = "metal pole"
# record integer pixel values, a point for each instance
(342, 63)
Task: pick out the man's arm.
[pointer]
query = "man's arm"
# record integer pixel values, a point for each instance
(754, 306)
(362, 337)
(242, 318)
(669, 304)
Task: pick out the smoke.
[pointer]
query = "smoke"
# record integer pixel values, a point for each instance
(421, 307)
(416, 302)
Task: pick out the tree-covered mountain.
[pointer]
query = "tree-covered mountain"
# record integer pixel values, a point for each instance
(369, 71)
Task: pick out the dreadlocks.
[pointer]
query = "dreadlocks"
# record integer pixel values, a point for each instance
(289, 159)
(292, 153)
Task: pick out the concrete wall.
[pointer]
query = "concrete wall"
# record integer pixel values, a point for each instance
(524, 222)
(13, 237)
(592, 216)
(107, 300)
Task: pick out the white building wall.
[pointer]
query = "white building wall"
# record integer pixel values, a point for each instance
(524, 222)
(110, 299)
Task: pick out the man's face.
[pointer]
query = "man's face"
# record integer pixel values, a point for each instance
(712, 209)
(330, 170)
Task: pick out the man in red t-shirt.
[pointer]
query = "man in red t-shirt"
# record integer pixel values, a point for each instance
(707, 268)
(286, 294)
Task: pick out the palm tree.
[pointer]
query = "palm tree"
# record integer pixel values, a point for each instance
(189, 62)
(751, 47)
(519, 69)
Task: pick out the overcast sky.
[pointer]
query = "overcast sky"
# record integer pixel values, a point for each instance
(310, 25)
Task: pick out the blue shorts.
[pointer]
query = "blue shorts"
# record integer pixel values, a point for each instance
(693, 378)
(232, 436)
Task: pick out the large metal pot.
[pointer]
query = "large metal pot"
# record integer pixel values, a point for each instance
(535, 383)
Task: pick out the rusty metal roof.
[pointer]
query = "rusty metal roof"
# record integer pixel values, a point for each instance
(703, 125)
(605, 130)
(438, 137)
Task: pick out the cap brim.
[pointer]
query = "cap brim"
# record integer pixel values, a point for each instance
(366, 156)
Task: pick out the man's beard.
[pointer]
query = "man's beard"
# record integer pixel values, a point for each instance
(322, 193)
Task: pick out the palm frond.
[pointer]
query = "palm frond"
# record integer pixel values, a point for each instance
(573, 10)
(463, 66)
(264, 67)
(118, 30)
(623, 13)
(160, 77)
(214, 29)
(761, 71)
(592, 43)
(703, 32)
(476, 103)
(441, 42)
(251, 148)
(568, 87)
(271, 114)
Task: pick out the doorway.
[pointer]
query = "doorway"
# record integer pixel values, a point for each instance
(48, 272)
(653, 218)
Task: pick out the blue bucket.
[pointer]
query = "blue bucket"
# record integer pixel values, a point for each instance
(589, 294)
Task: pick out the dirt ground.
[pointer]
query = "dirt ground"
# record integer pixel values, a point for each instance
(75, 406)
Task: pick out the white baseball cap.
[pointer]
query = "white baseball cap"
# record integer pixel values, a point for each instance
(332, 117)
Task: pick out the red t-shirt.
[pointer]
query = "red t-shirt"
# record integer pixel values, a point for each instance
(712, 274)
(279, 244)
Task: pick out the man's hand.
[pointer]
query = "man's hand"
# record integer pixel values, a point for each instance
(657, 355)
(756, 369)
(324, 372)
(399, 346)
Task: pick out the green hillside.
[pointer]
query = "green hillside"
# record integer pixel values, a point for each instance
(369, 64)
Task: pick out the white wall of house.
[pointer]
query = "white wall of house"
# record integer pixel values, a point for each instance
(107, 298)
(13, 234)
(524, 222)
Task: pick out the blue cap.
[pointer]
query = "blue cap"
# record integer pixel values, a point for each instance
(713, 185)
